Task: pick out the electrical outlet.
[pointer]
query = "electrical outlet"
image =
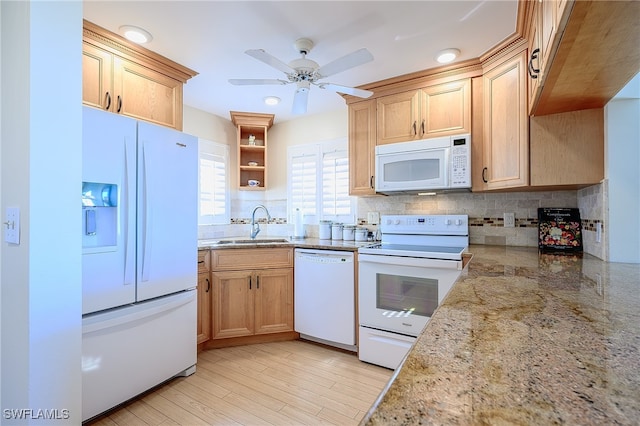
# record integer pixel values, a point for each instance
(509, 220)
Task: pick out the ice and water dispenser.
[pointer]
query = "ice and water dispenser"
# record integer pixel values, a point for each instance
(99, 215)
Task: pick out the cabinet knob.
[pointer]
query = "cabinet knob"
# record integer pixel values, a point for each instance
(484, 176)
(108, 99)
(208, 286)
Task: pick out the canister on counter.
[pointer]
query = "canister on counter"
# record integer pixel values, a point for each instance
(324, 230)
(361, 234)
(348, 232)
(336, 231)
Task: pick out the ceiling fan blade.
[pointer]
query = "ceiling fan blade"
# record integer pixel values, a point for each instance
(346, 90)
(256, 81)
(351, 60)
(270, 60)
(300, 101)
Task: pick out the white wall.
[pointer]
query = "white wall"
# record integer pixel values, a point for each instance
(41, 149)
(623, 173)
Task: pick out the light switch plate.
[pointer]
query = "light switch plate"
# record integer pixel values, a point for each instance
(373, 218)
(12, 225)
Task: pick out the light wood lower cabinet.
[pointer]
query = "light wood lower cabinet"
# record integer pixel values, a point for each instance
(204, 297)
(252, 292)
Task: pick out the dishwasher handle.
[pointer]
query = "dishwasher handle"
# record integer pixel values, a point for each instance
(324, 258)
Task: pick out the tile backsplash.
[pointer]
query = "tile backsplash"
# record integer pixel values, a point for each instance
(485, 211)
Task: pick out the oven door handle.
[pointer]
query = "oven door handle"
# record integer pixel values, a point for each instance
(409, 261)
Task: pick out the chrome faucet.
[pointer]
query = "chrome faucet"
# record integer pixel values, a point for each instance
(255, 227)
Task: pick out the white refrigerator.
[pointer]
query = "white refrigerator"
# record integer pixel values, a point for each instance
(139, 263)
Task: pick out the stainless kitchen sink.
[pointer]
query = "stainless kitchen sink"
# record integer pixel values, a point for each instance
(247, 241)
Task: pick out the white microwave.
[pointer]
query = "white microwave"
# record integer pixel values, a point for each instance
(424, 165)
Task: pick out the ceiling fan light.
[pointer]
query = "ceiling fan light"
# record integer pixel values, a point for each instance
(272, 100)
(135, 34)
(447, 55)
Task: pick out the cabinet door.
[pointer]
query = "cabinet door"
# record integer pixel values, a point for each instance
(233, 304)
(147, 95)
(534, 70)
(398, 118)
(97, 76)
(362, 143)
(204, 307)
(567, 148)
(547, 31)
(446, 109)
(506, 143)
(274, 301)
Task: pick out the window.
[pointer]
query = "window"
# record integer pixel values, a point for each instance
(213, 187)
(319, 182)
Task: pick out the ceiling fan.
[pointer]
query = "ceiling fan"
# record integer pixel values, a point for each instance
(305, 72)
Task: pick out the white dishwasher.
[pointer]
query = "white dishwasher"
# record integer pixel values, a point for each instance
(325, 297)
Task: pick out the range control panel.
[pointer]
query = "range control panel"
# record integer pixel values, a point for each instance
(425, 224)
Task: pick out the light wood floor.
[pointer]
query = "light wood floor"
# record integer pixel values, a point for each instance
(283, 383)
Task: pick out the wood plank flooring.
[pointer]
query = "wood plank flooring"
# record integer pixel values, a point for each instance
(281, 383)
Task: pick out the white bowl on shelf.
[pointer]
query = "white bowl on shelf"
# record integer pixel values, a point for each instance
(252, 163)
(253, 182)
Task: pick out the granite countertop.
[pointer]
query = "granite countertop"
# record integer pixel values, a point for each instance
(309, 243)
(525, 339)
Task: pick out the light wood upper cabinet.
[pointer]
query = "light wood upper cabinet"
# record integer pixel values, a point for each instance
(147, 95)
(567, 149)
(544, 35)
(362, 142)
(97, 77)
(252, 148)
(505, 123)
(438, 110)
(446, 108)
(252, 292)
(125, 78)
(398, 117)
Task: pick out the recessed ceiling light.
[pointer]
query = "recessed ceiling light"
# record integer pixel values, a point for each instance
(447, 55)
(272, 100)
(135, 34)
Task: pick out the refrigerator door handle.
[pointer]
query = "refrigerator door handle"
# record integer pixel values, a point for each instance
(145, 218)
(139, 314)
(129, 255)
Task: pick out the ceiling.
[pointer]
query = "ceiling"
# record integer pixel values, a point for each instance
(211, 37)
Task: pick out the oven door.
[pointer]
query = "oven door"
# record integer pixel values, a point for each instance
(400, 294)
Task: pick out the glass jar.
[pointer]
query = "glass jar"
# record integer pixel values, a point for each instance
(348, 232)
(361, 234)
(336, 231)
(324, 230)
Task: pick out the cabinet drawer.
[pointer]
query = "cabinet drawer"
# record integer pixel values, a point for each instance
(204, 262)
(253, 258)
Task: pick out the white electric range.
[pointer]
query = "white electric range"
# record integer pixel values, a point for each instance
(403, 279)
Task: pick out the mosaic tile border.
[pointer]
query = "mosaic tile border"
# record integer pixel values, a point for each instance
(261, 221)
(588, 225)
